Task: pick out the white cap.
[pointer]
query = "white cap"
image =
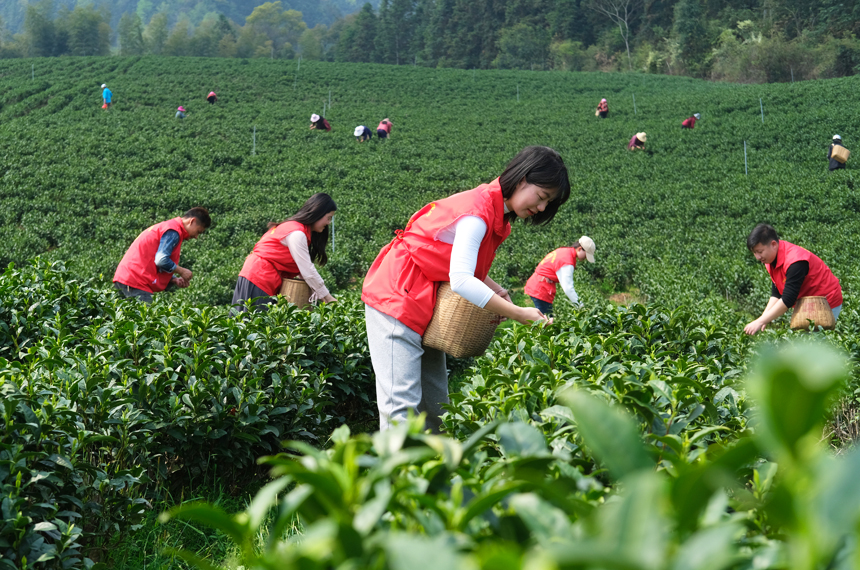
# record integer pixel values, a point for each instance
(837, 138)
(698, 116)
(104, 85)
(359, 130)
(315, 118)
(587, 244)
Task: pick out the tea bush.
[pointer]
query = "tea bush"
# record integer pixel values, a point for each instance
(105, 400)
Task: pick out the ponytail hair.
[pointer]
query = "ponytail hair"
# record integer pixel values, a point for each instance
(313, 210)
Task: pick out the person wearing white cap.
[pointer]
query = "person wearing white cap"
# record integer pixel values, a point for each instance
(362, 133)
(637, 142)
(319, 123)
(107, 96)
(837, 159)
(557, 267)
(691, 122)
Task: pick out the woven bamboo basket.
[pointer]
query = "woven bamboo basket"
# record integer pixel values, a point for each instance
(840, 153)
(813, 309)
(296, 292)
(458, 327)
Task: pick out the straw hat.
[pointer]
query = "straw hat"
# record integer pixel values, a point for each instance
(642, 136)
(698, 116)
(315, 118)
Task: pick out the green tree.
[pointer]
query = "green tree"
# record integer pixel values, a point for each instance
(279, 26)
(311, 42)
(89, 32)
(690, 32)
(623, 14)
(521, 47)
(130, 32)
(39, 29)
(155, 35)
(179, 40)
(358, 42)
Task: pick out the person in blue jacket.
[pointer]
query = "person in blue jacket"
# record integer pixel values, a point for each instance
(107, 96)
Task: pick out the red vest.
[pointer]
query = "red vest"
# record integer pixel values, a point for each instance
(403, 280)
(137, 268)
(819, 282)
(384, 126)
(691, 122)
(271, 262)
(537, 286)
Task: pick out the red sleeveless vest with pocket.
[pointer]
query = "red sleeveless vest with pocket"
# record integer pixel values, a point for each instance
(537, 286)
(270, 262)
(403, 280)
(819, 282)
(137, 268)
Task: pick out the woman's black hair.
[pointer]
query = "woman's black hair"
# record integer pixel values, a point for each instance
(314, 209)
(541, 166)
(575, 245)
(762, 234)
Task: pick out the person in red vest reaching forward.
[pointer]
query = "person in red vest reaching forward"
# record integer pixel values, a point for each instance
(557, 267)
(453, 239)
(794, 271)
(152, 260)
(285, 251)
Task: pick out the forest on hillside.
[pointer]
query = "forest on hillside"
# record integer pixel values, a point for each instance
(754, 41)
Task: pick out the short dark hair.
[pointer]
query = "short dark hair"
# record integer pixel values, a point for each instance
(762, 234)
(541, 166)
(575, 244)
(201, 214)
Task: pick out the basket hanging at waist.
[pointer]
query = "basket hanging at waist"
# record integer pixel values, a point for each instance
(814, 311)
(840, 154)
(458, 327)
(296, 292)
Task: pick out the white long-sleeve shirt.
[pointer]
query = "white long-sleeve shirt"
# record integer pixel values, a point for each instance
(297, 243)
(465, 236)
(565, 279)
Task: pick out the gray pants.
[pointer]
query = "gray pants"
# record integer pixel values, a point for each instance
(409, 376)
(127, 291)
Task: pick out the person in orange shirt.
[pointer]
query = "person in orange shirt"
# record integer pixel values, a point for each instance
(794, 272)
(285, 251)
(453, 239)
(557, 267)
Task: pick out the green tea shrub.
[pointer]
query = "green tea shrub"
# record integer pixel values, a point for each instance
(107, 399)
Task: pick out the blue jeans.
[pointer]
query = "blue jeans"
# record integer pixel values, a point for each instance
(542, 306)
(836, 311)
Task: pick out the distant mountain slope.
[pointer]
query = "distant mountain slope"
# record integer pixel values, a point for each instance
(314, 11)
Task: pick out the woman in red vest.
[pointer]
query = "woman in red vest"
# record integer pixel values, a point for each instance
(152, 260)
(453, 239)
(794, 272)
(383, 130)
(285, 251)
(557, 267)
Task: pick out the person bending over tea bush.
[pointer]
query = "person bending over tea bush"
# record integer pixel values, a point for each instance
(285, 251)
(453, 239)
(836, 144)
(152, 260)
(557, 267)
(794, 273)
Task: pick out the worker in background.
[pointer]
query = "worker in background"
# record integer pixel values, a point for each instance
(637, 142)
(691, 122)
(602, 109)
(557, 267)
(180, 112)
(107, 96)
(319, 123)
(362, 133)
(211, 97)
(837, 159)
(383, 130)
